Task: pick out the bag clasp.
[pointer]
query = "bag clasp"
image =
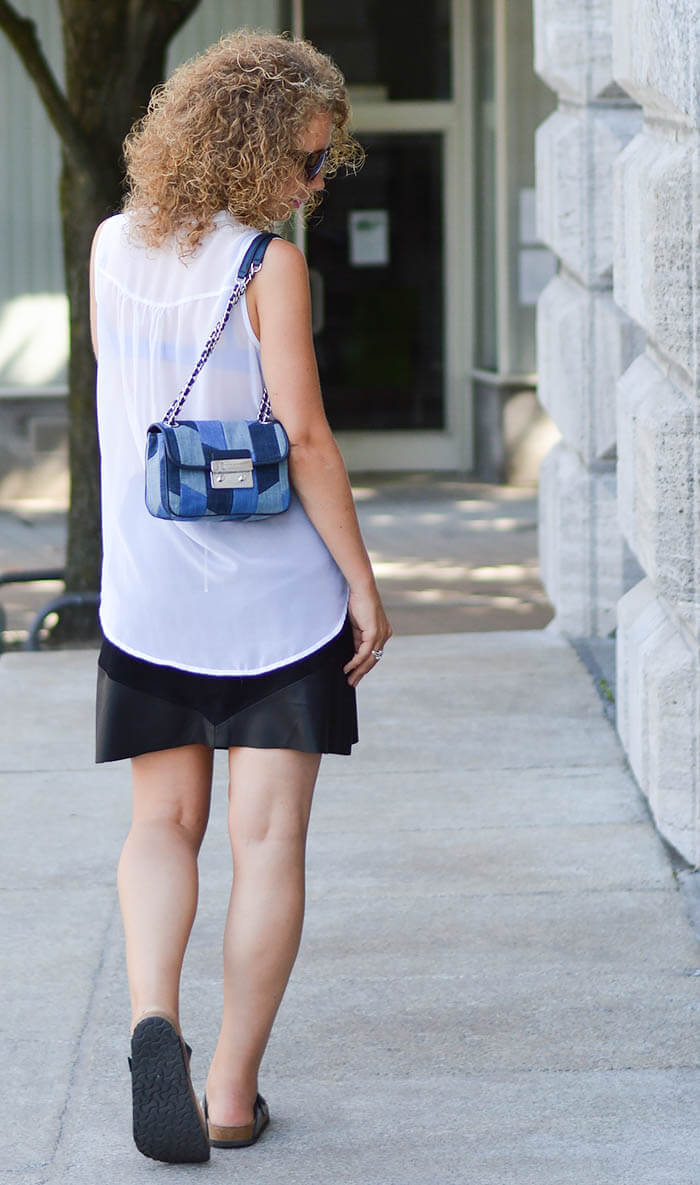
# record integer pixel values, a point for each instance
(233, 473)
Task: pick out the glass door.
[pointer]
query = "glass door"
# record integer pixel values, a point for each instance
(376, 256)
(386, 250)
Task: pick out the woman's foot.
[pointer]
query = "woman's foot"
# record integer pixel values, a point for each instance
(238, 1135)
(168, 1124)
(230, 1105)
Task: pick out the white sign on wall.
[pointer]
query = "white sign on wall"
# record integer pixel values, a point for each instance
(369, 238)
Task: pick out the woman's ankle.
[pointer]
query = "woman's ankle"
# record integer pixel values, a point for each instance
(231, 1097)
(143, 1014)
(229, 1108)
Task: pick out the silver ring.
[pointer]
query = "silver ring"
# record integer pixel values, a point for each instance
(377, 654)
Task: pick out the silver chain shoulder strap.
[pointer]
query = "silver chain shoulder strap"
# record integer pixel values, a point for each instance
(264, 410)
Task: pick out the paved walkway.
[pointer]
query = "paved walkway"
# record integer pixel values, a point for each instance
(498, 984)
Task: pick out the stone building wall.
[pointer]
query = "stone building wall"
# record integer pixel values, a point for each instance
(656, 58)
(584, 340)
(618, 171)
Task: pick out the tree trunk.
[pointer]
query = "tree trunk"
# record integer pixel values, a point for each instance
(114, 56)
(85, 201)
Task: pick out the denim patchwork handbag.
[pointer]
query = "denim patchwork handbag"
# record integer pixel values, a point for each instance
(219, 469)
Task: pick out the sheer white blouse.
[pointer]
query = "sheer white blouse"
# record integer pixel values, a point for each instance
(213, 597)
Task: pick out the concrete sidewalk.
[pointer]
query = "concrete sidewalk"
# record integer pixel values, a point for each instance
(497, 985)
(450, 555)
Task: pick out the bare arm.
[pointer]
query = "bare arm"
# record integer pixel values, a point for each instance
(279, 304)
(93, 304)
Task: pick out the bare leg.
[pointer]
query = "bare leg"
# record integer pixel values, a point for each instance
(158, 871)
(270, 801)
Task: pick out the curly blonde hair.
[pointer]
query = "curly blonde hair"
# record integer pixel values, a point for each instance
(223, 133)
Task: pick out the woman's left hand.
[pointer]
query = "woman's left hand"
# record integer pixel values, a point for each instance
(370, 630)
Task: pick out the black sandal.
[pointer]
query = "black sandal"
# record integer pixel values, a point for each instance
(168, 1123)
(238, 1137)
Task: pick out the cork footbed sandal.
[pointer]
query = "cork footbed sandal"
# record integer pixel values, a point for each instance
(238, 1137)
(167, 1121)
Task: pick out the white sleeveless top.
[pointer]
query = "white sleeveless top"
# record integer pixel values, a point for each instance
(221, 598)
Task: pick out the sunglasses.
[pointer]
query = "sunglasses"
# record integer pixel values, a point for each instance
(314, 162)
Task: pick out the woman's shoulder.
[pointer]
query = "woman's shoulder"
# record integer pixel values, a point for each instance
(116, 245)
(284, 263)
(107, 230)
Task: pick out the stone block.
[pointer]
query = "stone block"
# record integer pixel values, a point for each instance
(584, 344)
(655, 481)
(656, 50)
(575, 152)
(573, 48)
(654, 242)
(639, 615)
(658, 685)
(585, 564)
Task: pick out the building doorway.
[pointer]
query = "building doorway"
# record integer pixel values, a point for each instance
(388, 250)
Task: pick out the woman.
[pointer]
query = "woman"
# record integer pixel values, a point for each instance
(245, 636)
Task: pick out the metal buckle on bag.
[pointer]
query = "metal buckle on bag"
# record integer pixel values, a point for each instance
(232, 473)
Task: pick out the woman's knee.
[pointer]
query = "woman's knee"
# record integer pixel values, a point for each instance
(178, 821)
(173, 789)
(270, 794)
(280, 830)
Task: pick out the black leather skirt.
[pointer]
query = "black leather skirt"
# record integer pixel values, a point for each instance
(143, 707)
